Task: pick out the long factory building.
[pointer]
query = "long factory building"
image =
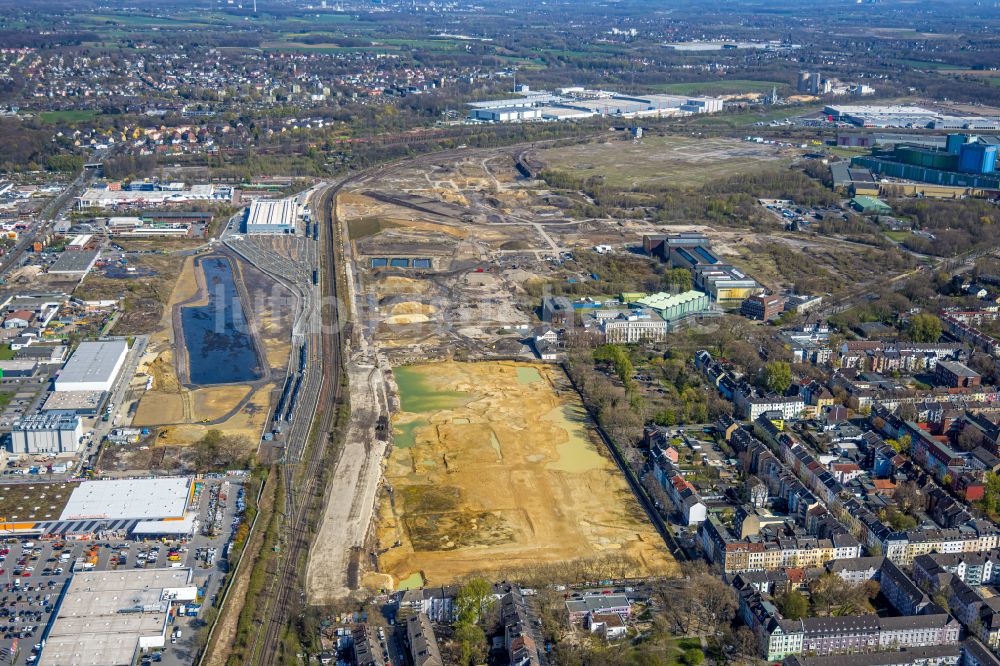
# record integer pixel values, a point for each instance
(576, 102)
(94, 366)
(271, 217)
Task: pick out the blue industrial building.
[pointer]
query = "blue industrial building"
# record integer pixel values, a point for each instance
(967, 161)
(978, 158)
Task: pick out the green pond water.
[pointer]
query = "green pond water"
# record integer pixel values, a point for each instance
(418, 397)
(528, 375)
(411, 582)
(406, 435)
(577, 454)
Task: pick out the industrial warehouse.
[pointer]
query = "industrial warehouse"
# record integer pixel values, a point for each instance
(966, 160)
(577, 102)
(94, 366)
(114, 195)
(271, 217)
(136, 507)
(122, 574)
(908, 116)
(107, 618)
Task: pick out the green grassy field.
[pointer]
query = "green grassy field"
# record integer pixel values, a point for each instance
(140, 21)
(293, 47)
(66, 116)
(720, 87)
(763, 115)
(429, 44)
(897, 236)
(924, 64)
(848, 152)
(669, 160)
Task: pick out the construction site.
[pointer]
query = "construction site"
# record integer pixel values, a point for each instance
(183, 412)
(440, 254)
(495, 470)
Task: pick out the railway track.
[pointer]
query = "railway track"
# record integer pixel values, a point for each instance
(302, 494)
(305, 494)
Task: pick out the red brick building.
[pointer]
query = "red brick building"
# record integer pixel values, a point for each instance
(763, 308)
(956, 375)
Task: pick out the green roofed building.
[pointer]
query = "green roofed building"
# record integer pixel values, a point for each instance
(676, 306)
(866, 204)
(632, 296)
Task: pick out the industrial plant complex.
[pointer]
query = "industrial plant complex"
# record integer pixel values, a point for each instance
(576, 102)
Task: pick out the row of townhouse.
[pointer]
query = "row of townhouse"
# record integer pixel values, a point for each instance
(812, 473)
(961, 471)
(939, 350)
(980, 614)
(961, 575)
(902, 592)
(865, 392)
(750, 404)
(936, 571)
(965, 535)
(969, 653)
(757, 553)
(901, 547)
(780, 638)
(682, 494)
(519, 642)
(965, 330)
(720, 375)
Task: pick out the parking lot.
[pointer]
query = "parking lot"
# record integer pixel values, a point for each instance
(794, 217)
(34, 572)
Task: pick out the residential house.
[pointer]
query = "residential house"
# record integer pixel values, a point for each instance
(422, 642)
(608, 625)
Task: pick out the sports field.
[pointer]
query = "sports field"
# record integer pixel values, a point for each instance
(494, 470)
(663, 160)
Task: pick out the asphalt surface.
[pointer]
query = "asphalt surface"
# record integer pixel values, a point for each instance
(52, 571)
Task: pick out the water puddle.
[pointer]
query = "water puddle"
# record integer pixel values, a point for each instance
(528, 375)
(577, 454)
(411, 582)
(418, 397)
(405, 435)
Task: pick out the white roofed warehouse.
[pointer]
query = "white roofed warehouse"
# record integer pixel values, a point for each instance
(271, 217)
(94, 366)
(108, 618)
(141, 499)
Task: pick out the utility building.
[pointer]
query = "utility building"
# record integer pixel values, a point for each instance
(47, 433)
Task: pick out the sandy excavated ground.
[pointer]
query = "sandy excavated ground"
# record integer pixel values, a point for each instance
(185, 415)
(494, 471)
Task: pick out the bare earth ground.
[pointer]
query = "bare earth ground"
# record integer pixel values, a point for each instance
(665, 160)
(505, 478)
(489, 235)
(352, 495)
(184, 415)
